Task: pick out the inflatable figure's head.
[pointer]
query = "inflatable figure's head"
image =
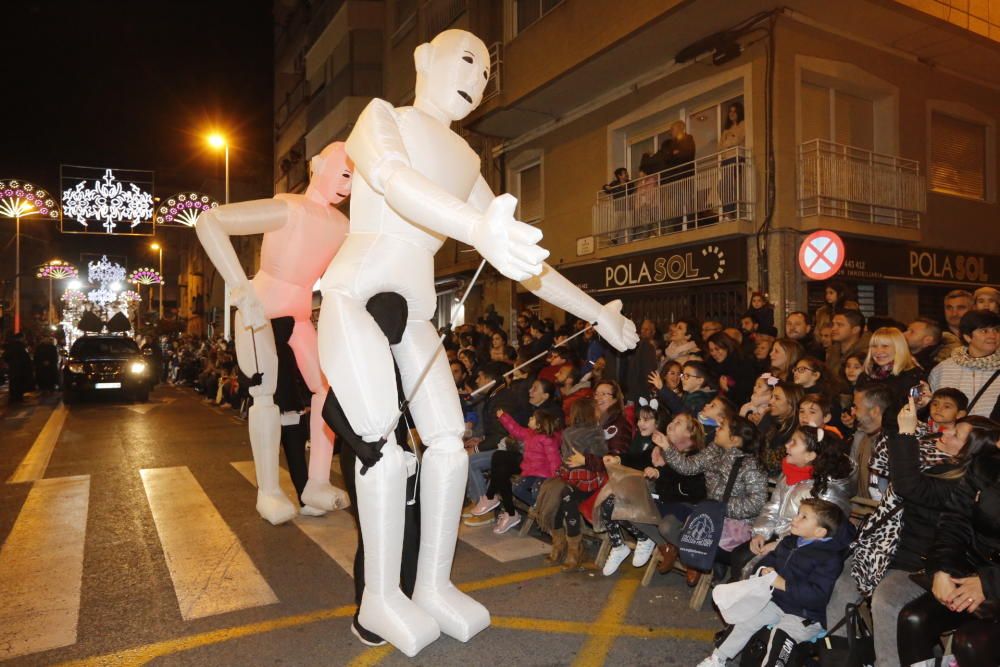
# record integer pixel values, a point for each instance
(452, 71)
(330, 173)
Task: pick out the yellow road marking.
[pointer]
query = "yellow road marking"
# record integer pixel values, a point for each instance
(33, 466)
(598, 629)
(372, 657)
(143, 654)
(41, 568)
(595, 650)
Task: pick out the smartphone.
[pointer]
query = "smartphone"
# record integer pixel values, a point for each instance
(915, 392)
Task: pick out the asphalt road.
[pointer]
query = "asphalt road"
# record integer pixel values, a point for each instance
(130, 537)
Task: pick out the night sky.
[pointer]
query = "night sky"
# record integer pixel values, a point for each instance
(134, 84)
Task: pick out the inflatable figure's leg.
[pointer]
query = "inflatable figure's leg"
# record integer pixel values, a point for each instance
(355, 354)
(319, 493)
(264, 420)
(438, 418)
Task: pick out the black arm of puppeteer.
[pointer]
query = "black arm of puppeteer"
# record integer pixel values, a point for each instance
(368, 453)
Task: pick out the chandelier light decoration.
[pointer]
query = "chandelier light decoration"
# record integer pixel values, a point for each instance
(145, 276)
(57, 271)
(109, 278)
(107, 202)
(19, 198)
(184, 208)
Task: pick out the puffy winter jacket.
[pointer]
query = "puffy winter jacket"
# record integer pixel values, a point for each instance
(775, 520)
(810, 572)
(540, 452)
(749, 490)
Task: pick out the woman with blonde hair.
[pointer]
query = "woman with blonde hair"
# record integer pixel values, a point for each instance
(889, 362)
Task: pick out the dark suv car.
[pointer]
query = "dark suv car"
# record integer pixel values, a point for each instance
(104, 363)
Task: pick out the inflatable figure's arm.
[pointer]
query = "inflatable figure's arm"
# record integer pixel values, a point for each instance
(380, 156)
(615, 328)
(553, 288)
(215, 226)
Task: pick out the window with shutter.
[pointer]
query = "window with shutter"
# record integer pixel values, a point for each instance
(958, 157)
(530, 207)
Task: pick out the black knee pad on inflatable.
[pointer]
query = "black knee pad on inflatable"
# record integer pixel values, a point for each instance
(390, 312)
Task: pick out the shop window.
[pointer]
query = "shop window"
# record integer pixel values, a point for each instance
(958, 157)
(530, 203)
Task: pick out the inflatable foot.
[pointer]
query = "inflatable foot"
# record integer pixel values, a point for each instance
(457, 614)
(396, 619)
(276, 508)
(325, 496)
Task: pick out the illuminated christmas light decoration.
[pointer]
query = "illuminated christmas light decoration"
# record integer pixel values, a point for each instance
(184, 208)
(145, 276)
(129, 296)
(19, 199)
(108, 202)
(109, 277)
(73, 297)
(57, 271)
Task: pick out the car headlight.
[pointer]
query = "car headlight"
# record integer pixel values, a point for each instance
(75, 367)
(137, 367)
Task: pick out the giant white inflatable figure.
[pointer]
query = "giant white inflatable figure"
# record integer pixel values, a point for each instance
(302, 233)
(420, 184)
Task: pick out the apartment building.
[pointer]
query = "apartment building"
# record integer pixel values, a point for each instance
(873, 119)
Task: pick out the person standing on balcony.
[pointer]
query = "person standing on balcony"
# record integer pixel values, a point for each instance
(731, 172)
(618, 187)
(678, 165)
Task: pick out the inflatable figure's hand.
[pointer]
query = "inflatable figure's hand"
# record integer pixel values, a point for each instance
(615, 328)
(510, 246)
(250, 307)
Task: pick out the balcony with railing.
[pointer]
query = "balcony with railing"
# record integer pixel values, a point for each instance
(881, 191)
(295, 99)
(707, 191)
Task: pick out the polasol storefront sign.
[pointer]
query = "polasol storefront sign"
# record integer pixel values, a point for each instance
(881, 261)
(685, 266)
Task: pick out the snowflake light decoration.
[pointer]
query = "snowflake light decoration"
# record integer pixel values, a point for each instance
(109, 278)
(108, 201)
(19, 199)
(145, 276)
(184, 208)
(56, 271)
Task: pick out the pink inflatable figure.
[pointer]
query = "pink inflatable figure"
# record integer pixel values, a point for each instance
(302, 233)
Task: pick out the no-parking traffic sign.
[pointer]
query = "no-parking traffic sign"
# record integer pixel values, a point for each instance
(821, 255)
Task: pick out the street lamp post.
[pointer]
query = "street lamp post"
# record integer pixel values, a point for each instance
(219, 141)
(25, 208)
(159, 249)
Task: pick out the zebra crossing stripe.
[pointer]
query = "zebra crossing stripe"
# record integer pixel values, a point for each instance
(41, 568)
(33, 466)
(211, 572)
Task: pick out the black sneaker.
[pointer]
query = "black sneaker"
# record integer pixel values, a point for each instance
(364, 636)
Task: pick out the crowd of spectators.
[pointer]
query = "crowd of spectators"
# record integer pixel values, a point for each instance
(804, 426)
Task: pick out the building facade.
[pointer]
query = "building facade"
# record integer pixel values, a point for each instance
(876, 120)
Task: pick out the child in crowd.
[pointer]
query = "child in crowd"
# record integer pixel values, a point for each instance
(808, 563)
(816, 410)
(640, 457)
(756, 407)
(948, 405)
(537, 461)
(583, 473)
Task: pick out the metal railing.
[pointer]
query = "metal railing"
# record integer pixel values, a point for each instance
(857, 184)
(494, 86)
(696, 194)
(297, 97)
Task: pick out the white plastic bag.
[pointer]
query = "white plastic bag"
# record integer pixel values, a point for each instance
(742, 600)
